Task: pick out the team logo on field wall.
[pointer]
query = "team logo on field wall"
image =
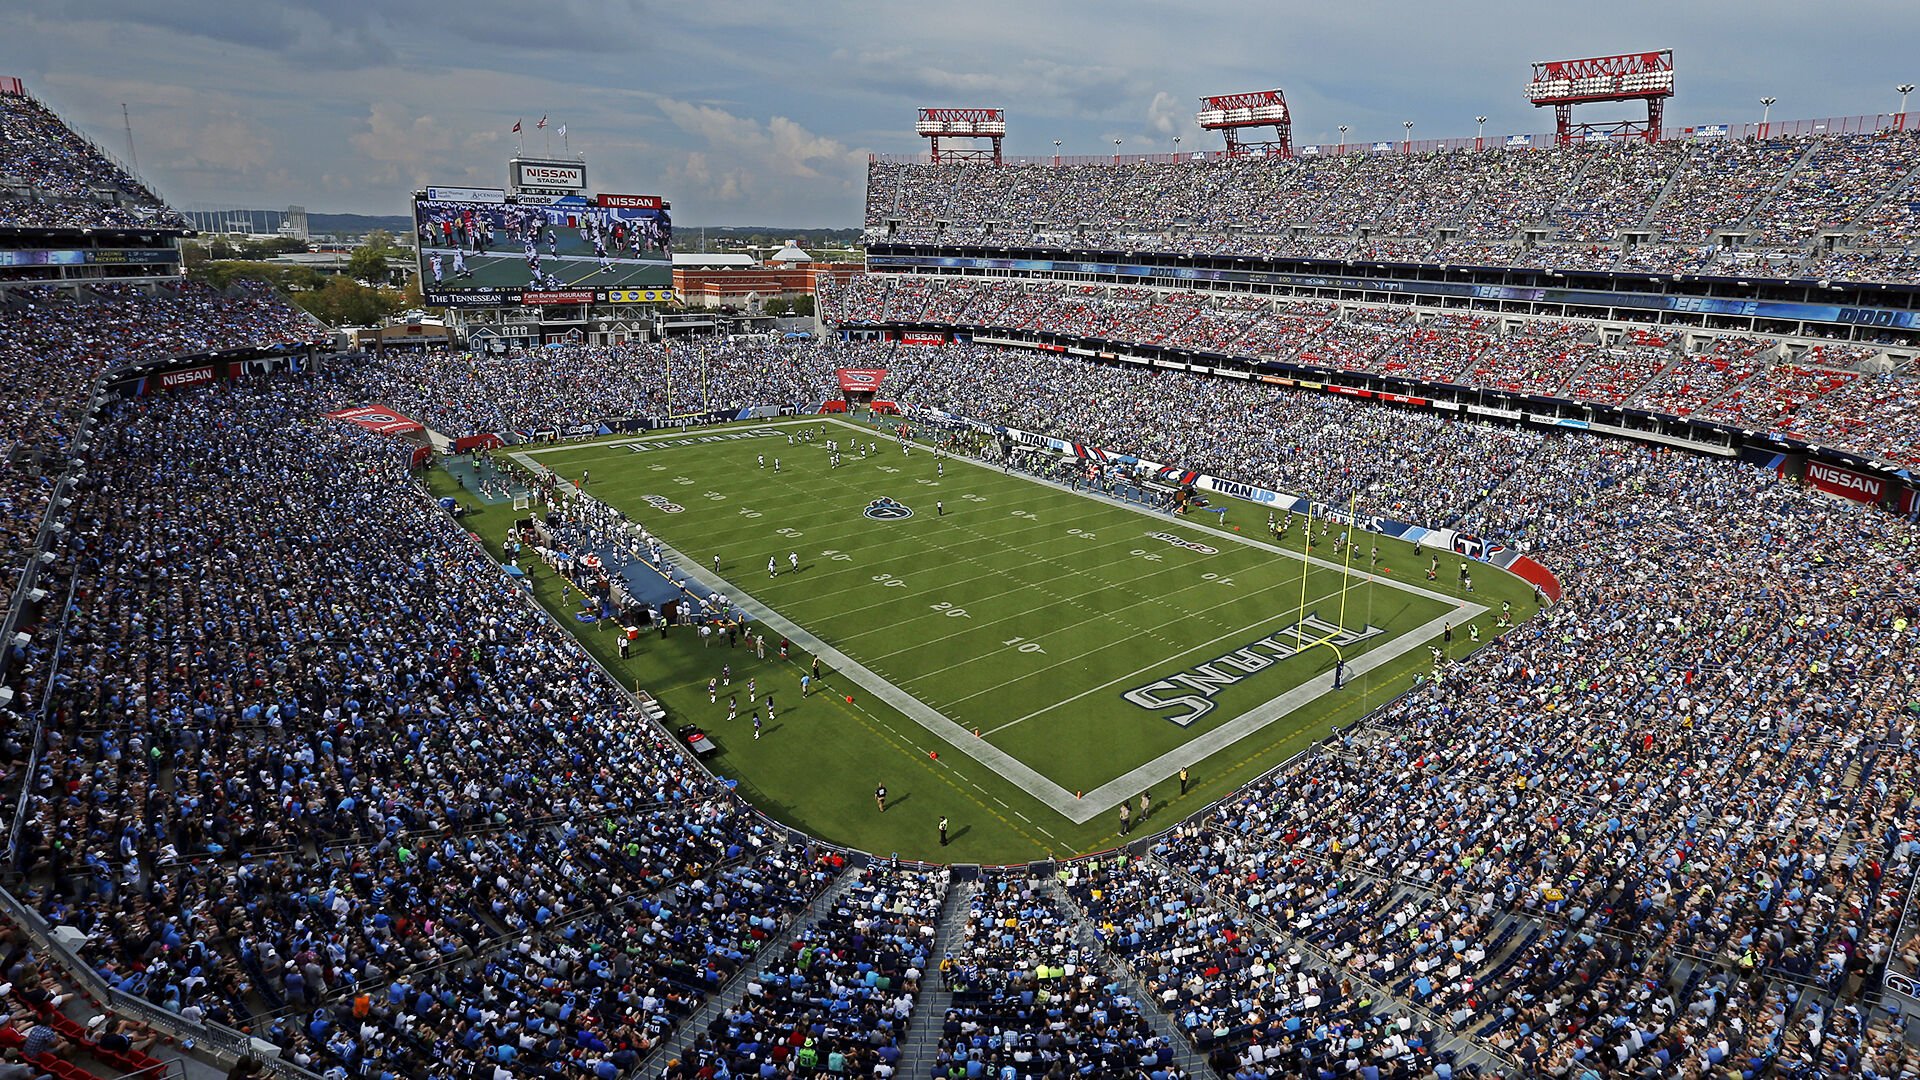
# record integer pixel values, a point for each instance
(884, 509)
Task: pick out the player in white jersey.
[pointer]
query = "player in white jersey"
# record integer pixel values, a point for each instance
(434, 262)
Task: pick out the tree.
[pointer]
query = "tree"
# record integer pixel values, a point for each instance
(776, 306)
(803, 306)
(368, 264)
(342, 302)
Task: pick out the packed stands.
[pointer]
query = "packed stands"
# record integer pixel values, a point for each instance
(1564, 207)
(52, 177)
(1786, 386)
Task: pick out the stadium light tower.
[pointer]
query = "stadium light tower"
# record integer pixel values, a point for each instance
(1343, 140)
(1176, 149)
(1407, 147)
(1480, 136)
(1232, 114)
(1900, 118)
(973, 124)
(1116, 151)
(1643, 76)
(1056, 151)
(1766, 114)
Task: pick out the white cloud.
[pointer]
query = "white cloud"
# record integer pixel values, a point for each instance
(1166, 115)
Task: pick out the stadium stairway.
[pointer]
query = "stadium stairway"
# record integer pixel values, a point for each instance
(1813, 147)
(731, 994)
(1666, 189)
(924, 1026)
(1189, 1059)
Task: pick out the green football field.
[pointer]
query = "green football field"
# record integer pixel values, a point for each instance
(1020, 658)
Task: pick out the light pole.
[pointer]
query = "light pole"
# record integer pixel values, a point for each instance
(1480, 136)
(1343, 139)
(1056, 152)
(1176, 149)
(1766, 113)
(1116, 151)
(1407, 147)
(1900, 118)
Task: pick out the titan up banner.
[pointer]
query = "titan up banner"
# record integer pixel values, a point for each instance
(860, 380)
(1845, 483)
(377, 418)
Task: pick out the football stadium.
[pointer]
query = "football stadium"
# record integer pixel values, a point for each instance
(1385, 608)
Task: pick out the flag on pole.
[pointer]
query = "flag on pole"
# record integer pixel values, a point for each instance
(563, 131)
(542, 123)
(516, 127)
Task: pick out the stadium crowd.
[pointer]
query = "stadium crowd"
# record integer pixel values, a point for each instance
(1623, 205)
(1031, 999)
(51, 177)
(1792, 387)
(308, 762)
(461, 393)
(286, 781)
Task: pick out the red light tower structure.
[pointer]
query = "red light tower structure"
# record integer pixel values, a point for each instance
(1643, 76)
(1231, 114)
(974, 124)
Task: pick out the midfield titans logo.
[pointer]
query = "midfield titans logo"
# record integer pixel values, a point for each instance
(887, 510)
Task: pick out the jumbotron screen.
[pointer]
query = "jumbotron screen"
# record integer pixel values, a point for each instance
(478, 241)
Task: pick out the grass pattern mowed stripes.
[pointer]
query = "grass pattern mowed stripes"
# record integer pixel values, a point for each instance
(1013, 607)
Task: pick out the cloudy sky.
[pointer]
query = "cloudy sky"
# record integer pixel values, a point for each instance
(763, 113)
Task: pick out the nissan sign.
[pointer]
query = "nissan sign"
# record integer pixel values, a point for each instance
(630, 202)
(550, 175)
(1845, 483)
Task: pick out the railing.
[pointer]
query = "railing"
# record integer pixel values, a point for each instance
(222, 1042)
(1865, 124)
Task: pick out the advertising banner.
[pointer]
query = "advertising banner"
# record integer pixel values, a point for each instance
(1519, 142)
(180, 380)
(860, 380)
(923, 339)
(90, 257)
(468, 194)
(1909, 501)
(631, 202)
(1845, 483)
(639, 296)
(377, 418)
(557, 296)
(550, 174)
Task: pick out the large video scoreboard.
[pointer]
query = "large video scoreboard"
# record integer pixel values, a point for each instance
(547, 240)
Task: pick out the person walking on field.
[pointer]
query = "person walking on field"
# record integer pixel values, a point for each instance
(880, 797)
(943, 830)
(1126, 818)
